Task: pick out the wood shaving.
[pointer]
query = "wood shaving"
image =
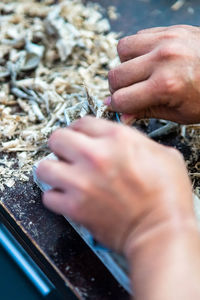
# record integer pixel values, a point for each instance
(54, 60)
(177, 5)
(112, 13)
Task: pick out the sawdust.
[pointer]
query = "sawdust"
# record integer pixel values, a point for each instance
(54, 60)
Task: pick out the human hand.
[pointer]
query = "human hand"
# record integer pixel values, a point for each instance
(159, 76)
(115, 181)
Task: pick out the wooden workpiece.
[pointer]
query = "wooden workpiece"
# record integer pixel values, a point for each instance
(48, 238)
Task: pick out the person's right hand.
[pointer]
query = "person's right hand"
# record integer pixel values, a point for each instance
(159, 76)
(116, 181)
(134, 195)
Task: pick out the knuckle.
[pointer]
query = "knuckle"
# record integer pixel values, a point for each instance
(73, 210)
(188, 27)
(168, 51)
(157, 86)
(176, 154)
(162, 52)
(178, 31)
(180, 26)
(121, 46)
(49, 196)
(170, 34)
(116, 100)
(100, 158)
(168, 84)
(175, 51)
(85, 119)
(84, 188)
(114, 131)
(120, 133)
(55, 135)
(43, 167)
(113, 79)
(80, 122)
(172, 86)
(141, 31)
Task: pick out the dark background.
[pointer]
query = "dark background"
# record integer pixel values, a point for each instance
(139, 14)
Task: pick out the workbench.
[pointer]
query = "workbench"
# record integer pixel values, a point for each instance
(49, 239)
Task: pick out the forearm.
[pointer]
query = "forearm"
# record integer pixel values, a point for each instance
(166, 265)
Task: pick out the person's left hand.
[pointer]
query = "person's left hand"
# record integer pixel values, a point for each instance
(159, 76)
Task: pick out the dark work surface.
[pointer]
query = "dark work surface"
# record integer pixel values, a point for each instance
(21, 286)
(49, 239)
(56, 247)
(139, 14)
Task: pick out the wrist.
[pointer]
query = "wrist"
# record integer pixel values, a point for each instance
(163, 259)
(164, 231)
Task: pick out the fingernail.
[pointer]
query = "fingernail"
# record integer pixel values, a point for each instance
(127, 119)
(107, 101)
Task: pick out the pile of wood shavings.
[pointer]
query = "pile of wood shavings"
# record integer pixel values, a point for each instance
(54, 60)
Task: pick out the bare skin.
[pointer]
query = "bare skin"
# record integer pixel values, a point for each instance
(135, 196)
(159, 76)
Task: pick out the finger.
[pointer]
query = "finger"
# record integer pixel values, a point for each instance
(168, 28)
(135, 98)
(160, 112)
(152, 30)
(93, 127)
(69, 144)
(128, 119)
(130, 72)
(57, 174)
(60, 203)
(183, 26)
(139, 44)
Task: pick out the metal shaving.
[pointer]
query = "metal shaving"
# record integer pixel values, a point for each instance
(54, 60)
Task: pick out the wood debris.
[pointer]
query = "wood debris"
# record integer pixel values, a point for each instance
(54, 60)
(112, 13)
(177, 5)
